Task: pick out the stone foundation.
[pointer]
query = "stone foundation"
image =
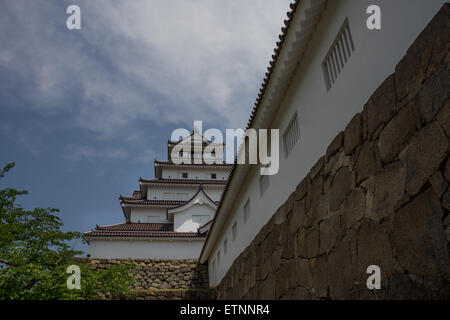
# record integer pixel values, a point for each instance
(379, 196)
(158, 279)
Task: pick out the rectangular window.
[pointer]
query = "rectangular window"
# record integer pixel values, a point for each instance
(225, 246)
(234, 230)
(213, 176)
(246, 211)
(185, 175)
(263, 184)
(338, 55)
(291, 135)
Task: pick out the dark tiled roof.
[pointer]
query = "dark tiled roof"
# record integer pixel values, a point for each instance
(183, 181)
(168, 162)
(130, 226)
(141, 230)
(143, 234)
(275, 56)
(132, 200)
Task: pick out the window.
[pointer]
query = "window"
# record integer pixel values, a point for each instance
(234, 230)
(338, 55)
(225, 246)
(263, 184)
(291, 135)
(185, 175)
(213, 176)
(246, 211)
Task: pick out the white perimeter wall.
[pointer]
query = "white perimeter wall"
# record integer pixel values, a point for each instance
(161, 249)
(322, 114)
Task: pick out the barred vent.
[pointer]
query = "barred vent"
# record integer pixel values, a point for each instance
(338, 55)
(291, 135)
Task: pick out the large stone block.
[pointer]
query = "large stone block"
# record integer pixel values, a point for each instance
(438, 183)
(423, 156)
(444, 118)
(425, 55)
(312, 243)
(389, 188)
(396, 134)
(367, 162)
(282, 277)
(298, 217)
(300, 274)
(353, 134)
(329, 232)
(433, 94)
(419, 239)
(374, 248)
(341, 283)
(314, 191)
(302, 188)
(381, 106)
(335, 145)
(354, 208)
(340, 188)
(320, 276)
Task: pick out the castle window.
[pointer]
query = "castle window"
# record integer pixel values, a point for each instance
(185, 175)
(338, 55)
(234, 230)
(247, 211)
(291, 135)
(213, 176)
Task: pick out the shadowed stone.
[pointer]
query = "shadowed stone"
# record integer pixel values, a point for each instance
(447, 170)
(432, 95)
(396, 134)
(419, 239)
(389, 187)
(335, 145)
(282, 277)
(314, 191)
(353, 134)
(381, 106)
(341, 283)
(373, 249)
(354, 207)
(302, 189)
(446, 200)
(320, 276)
(444, 118)
(312, 243)
(423, 156)
(367, 162)
(300, 274)
(340, 188)
(317, 167)
(438, 183)
(329, 232)
(425, 54)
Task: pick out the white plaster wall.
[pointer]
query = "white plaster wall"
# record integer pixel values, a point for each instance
(195, 173)
(322, 114)
(161, 249)
(142, 214)
(157, 192)
(182, 221)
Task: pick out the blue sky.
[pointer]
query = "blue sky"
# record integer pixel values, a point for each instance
(84, 113)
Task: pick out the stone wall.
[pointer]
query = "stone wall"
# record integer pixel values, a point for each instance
(379, 196)
(164, 279)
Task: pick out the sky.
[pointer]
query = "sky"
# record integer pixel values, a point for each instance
(84, 113)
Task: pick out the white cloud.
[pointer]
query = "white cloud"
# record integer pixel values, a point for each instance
(162, 61)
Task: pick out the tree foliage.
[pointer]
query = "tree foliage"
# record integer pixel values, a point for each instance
(35, 254)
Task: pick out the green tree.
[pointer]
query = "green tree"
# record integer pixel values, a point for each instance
(35, 255)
